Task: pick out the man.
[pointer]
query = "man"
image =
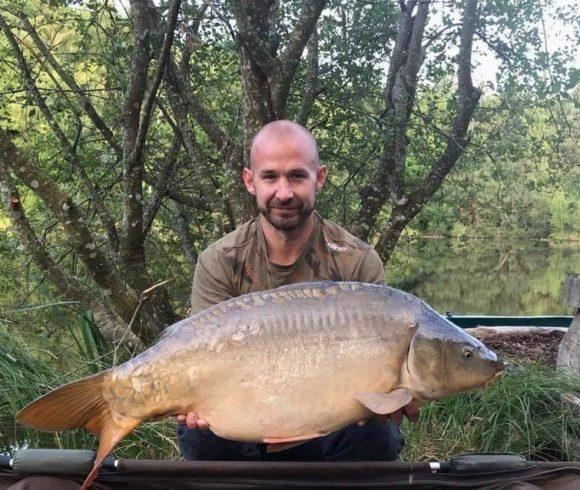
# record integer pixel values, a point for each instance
(287, 243)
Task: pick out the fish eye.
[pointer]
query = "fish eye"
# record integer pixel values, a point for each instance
(467, 353)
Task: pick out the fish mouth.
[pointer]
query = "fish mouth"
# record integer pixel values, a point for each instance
(494, 378)
(500, 366)
(500, 369)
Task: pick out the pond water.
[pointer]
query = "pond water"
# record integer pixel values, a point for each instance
(488, 277)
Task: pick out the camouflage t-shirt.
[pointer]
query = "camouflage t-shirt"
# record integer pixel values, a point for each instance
(238, 263)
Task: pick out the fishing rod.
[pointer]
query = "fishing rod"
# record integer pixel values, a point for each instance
(464, 470)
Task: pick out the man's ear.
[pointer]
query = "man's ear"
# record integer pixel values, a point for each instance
(321, 177)
(248, 177)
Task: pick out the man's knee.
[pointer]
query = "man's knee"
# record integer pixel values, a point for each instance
(374, 441)
(204, 445)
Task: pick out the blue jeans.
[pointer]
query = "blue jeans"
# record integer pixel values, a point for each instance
(374, 441)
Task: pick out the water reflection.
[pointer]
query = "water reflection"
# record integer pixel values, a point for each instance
(486, 276)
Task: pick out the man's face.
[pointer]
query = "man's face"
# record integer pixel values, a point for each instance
(285, 177)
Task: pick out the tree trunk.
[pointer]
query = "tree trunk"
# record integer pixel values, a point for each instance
(569, 353)
(388, 181)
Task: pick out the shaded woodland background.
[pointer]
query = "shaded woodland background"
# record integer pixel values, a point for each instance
(123, 132)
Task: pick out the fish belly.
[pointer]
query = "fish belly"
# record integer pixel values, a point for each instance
(255, 395)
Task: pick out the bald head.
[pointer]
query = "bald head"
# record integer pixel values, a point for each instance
(288, 133)
(285, 175)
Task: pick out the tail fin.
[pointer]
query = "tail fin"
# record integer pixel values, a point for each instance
(110, 435)
(72, 406)
(80, 404)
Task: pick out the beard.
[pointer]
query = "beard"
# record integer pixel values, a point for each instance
(287, 216)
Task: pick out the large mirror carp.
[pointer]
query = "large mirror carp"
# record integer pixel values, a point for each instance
(278, 367)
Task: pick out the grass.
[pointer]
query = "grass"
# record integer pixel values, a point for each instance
(523, 412)
(27, 373)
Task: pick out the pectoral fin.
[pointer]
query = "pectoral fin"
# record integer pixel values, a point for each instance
(276, 444)
(281, 446)
(303, 437)
(385, 403)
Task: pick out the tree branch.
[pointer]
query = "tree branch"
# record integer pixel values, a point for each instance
(312, 80)
(183, 102)
(183, 131)
(198, 203)
(12, 203)
(80, 237)
(467, 98)
(132, 246)
(290, 57)
(404, 30)
(187, 241)
(84, 101)
(161, 185)
(180, 105)
(66, 284)
(67, 148)
(403, 97)
(157, 312)
(151, 94)
(216, 135)
(190, 36)
(181, 93)
(389, 178)
(253, 30)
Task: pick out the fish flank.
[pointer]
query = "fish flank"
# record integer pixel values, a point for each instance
(338, 316)
(326, 321)
(292, 319)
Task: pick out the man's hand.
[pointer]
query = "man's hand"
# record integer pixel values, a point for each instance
(411, 411)
(192, 421)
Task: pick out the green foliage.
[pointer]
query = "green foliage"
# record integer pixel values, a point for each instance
(519, 176)
(521, 153)
(94, 346)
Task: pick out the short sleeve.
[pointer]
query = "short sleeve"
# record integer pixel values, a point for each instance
(371, 268)
(211, 281)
